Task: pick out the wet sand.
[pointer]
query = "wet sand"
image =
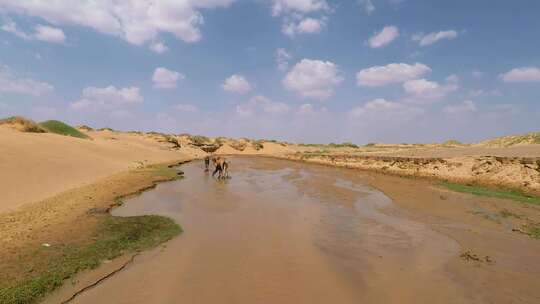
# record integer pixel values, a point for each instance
(285, 232)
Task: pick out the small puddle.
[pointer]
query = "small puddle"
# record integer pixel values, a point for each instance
(281, 232)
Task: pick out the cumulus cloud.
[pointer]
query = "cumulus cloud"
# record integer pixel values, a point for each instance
(452, 78)
(166, 79)
(298, 6)
(158, 47)
(41, 32)
(431, 38)
(49, 34)
(107, 98)
(236, 84)
(391, 73)
(187, 108)
(465, 107)
(368, 6)
(11, 27)
(11, 83)
(422, 90)
(313, 78)
(305, 26)
(308, 110)
(259, 105)
(282, 59)
(134, 21)
(384, 37)
(523, 74)
(382, 109)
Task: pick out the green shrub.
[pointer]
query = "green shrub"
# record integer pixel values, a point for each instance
(58, 127)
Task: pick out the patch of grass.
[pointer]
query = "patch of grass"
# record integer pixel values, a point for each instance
(343, 145)
(515, 195)
(310, 145)
(451, 143)
(58, 127)
(506, 214)
(116, 236)
(257, 145)
(238, 145)
(534, 231)
(22, 124)
(106, 129)
(199, 140)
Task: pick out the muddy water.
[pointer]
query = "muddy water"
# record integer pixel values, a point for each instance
(281, 232)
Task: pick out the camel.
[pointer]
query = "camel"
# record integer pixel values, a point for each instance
(222, 167)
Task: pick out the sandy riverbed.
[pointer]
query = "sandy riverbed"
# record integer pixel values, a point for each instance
(285, 232)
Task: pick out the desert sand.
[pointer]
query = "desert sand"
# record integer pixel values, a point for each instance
(36, 166)
(51, 182)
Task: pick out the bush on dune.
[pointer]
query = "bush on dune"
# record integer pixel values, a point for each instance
(22, 124)
(58, 127)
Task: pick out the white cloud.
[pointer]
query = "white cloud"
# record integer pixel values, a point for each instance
(382, 109)
(41, 32)
(313, 78)
(298, 6)
(134, 21)
(368, 6)
(391, 73)
(305, 26)
(282, 59)
(107, 98)
(11, 83)
(431, 38)
(259, 105)
(452, 78)
(188, 108)
(158, 47)
(523, 74)
(11, 27)
(465, 107)
(236, 84)
(422, 90)
(49, 34)
(476, 93)
(166, 79)
(309, 110)
(384, 37)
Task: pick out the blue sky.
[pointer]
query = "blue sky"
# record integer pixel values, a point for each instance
(300, 70)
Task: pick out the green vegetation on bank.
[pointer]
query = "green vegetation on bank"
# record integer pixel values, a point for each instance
(331, 145)
(534, 231)
(511, 194)
(57, 263)
(58, 127)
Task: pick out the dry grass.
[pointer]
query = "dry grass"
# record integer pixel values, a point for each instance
(22, 124)
(238, 145)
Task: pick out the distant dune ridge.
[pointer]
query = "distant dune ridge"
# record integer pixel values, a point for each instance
(50, 126)
(50, 157)
(513, 140)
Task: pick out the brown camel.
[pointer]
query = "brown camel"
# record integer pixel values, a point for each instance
(222, 167)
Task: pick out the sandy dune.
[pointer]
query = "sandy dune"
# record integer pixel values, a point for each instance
(36, 166)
